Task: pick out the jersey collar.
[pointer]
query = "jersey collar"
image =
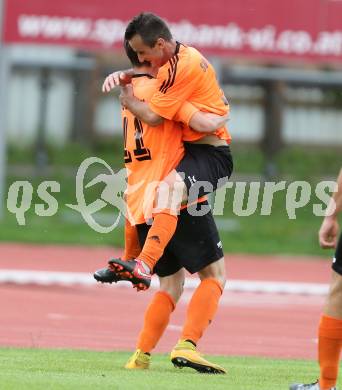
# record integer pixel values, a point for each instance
(142, 75)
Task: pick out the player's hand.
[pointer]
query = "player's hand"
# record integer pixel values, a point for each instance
(126, 94)
(116, 79)
(217, 121)
(207, 122)
(328, 233)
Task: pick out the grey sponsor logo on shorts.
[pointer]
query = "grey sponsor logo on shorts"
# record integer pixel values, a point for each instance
(192, 179)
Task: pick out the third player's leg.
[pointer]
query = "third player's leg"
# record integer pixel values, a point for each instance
(333, 304)
(330, 326)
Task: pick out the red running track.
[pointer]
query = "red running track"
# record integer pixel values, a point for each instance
(109, 318)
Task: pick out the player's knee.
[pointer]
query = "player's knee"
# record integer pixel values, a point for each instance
(162, 197)
(173, 285)
(332, 305)
(216, 271)
(178, 292)
(177, 190)
(170, 193)
(174, 291)
(222, 280)
(335, 292)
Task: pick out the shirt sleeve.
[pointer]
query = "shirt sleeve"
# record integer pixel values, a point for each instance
(177, 80)
(185, 113)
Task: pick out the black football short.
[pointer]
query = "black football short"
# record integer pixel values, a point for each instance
(195, 244)
(204, 168)
(337, 260)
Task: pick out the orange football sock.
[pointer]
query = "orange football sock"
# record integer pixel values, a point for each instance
(157, 317)
(162, 229)
(329, 347)
(201, 309)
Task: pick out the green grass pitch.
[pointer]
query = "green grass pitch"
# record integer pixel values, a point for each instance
(70, 369)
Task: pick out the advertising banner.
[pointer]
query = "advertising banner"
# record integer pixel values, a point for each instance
(309, 30)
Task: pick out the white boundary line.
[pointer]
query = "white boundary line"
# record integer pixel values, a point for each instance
(48, 278)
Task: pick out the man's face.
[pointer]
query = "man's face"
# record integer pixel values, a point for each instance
(154, 55)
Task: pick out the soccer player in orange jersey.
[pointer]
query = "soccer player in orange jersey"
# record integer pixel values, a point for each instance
(149, 155)
(183, 75)
(330, 325)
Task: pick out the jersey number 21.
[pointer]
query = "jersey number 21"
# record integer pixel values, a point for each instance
(140, 152)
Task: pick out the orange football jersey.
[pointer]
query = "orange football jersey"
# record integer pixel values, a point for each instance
(150, 153)
(188, 76)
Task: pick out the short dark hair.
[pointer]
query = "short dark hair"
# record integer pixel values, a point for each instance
(133, 57)
(150, 27)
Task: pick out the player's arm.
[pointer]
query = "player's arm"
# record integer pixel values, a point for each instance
(138, 108)
(188, 113)
(207, 122)
(171, 76)
(328, 233)
(200, 121)
(115, 79)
